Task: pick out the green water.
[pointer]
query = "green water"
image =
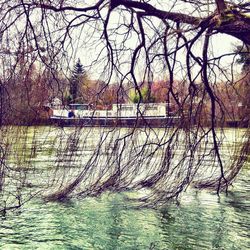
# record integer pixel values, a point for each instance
(201, 221)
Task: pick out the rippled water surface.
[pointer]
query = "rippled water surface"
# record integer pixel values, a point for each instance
(201, 221)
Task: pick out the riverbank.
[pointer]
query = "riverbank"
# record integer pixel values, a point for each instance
(102, 122)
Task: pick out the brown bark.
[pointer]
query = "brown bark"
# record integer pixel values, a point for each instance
(239, 29)
(150, 10)
(221, 6)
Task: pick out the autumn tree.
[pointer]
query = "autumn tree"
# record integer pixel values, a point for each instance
(24, 96)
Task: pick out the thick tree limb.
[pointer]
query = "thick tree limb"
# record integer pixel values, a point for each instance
(152, 11)
(228, 22)
(239, 29)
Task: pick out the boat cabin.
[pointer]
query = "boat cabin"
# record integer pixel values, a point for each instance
(118, 110)
(78, 106)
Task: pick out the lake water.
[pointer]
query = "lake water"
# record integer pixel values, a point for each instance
(201, 221)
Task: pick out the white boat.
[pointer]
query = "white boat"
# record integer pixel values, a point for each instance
(128, 115)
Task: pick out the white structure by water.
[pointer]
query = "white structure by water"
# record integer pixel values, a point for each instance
(117, 111)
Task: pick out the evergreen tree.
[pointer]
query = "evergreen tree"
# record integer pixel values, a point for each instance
(77, 77)
(244, 57)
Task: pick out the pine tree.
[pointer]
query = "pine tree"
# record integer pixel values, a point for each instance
(78, 74)
(244, 57)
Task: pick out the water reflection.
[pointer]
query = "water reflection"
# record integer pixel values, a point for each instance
(201, 221)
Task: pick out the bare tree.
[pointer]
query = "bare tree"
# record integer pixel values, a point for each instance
(130, 42)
